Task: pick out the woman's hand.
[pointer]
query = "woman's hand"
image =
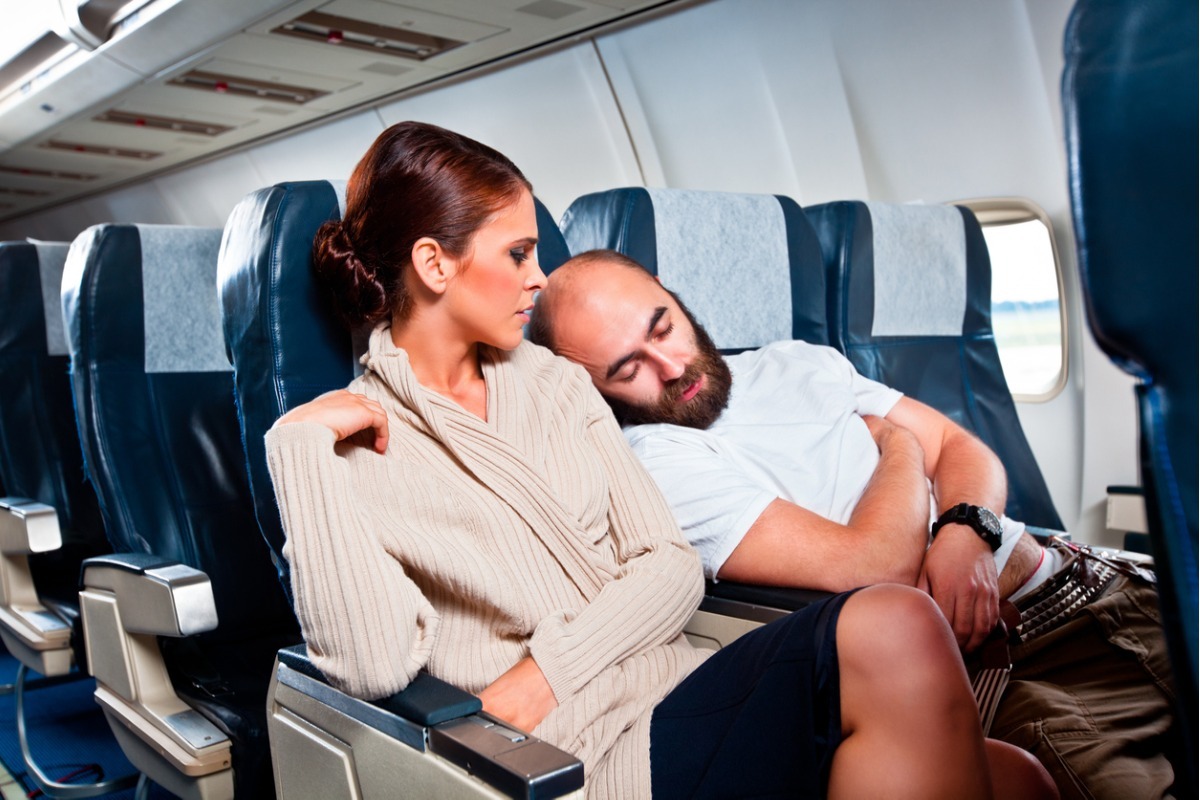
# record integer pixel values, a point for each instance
(344, 413)
(521, 697)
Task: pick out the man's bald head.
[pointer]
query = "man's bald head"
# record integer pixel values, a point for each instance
(568, 288)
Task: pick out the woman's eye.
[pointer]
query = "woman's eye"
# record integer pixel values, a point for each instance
(519, 255)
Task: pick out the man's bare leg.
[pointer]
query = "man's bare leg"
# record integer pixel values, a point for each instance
(909, 720)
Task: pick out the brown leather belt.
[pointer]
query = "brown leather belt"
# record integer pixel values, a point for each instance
(1084, 576)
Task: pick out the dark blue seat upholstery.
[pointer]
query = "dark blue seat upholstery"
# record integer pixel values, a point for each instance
(910, 306)
(40, 458)
(746, 264)
(154, 400)
(1130, 105)
(284, 342)
(41, 464)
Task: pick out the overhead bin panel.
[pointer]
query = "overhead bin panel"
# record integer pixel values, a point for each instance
(54, 97)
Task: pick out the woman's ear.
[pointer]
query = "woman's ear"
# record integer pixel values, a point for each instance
(431, 264)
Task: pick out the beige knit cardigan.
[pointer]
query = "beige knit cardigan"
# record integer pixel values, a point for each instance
(471, 544)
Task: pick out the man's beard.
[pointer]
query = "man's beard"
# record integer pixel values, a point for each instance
(703, 409)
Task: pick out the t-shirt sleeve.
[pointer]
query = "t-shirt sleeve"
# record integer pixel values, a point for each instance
(714, 503)
(874, 398)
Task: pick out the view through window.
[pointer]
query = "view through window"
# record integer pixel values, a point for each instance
(1027, 314)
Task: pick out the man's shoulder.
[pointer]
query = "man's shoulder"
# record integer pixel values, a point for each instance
(661, 439)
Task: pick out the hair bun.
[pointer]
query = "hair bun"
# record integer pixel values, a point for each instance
(353, 286)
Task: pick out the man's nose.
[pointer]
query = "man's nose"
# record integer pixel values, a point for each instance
(668, 365)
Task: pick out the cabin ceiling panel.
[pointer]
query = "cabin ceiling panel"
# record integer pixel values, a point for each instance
(222, 63)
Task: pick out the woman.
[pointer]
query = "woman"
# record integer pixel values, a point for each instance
(470, 506)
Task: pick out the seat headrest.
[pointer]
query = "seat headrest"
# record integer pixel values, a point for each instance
(30, 276)
(747, 265)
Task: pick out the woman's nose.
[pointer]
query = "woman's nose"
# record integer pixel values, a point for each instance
(537, 279)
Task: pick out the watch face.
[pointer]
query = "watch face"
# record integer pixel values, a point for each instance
(989, 519)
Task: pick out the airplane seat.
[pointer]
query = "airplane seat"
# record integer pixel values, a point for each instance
(286, 348)
(910, 306)
(749, 267)
(51, 521)
(1130, 107)
(183, 620)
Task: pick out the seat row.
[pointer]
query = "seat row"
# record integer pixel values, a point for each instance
(153, 359)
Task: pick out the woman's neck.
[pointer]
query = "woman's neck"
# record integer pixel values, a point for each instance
(443, 363)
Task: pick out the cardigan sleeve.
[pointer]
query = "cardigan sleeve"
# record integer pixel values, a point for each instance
(368, 627)
(658, 585)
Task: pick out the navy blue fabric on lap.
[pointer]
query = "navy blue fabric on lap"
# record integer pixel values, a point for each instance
(761, 718)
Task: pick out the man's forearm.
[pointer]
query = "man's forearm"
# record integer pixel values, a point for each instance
(894, 506)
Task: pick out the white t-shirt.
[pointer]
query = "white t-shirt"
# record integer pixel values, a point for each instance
(793, 429)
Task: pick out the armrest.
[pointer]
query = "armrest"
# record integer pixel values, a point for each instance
(155, 596)
(27, 526)
(758, 603)
(433, 715)
(1042, 535)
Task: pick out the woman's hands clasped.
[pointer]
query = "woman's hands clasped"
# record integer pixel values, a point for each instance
(344, 413)
(522, 697)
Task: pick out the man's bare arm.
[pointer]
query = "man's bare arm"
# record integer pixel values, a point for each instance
(884, 540)
(959, 570)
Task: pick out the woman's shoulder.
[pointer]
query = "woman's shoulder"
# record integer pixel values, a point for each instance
(540, 363)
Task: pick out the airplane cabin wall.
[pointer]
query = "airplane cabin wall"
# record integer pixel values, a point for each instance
(819, 100)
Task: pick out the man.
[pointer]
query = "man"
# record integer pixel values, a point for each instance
(786, 467)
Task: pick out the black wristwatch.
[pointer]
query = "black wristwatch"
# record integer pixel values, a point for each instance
(982, 520)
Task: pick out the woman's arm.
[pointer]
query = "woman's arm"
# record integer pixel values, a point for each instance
(367, 625)
(659, 583)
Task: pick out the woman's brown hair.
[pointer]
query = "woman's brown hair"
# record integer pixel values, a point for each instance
(416, 180)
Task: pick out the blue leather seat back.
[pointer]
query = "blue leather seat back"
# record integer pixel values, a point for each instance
(747, 265)
(285, 344)
(910, 306)
(154, 400)
(40, 457)
(1130, 105)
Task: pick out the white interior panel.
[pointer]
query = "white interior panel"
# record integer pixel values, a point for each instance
(204, 195)
(327, 152)
(553, 116)
(725, 96)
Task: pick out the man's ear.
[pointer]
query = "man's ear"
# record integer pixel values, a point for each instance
(431, 264)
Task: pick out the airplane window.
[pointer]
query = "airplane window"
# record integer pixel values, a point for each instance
(1027, 312)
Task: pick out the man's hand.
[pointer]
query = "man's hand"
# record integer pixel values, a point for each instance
(521, 697)
(960, 573)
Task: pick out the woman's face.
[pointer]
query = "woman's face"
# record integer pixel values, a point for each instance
(492, 294)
